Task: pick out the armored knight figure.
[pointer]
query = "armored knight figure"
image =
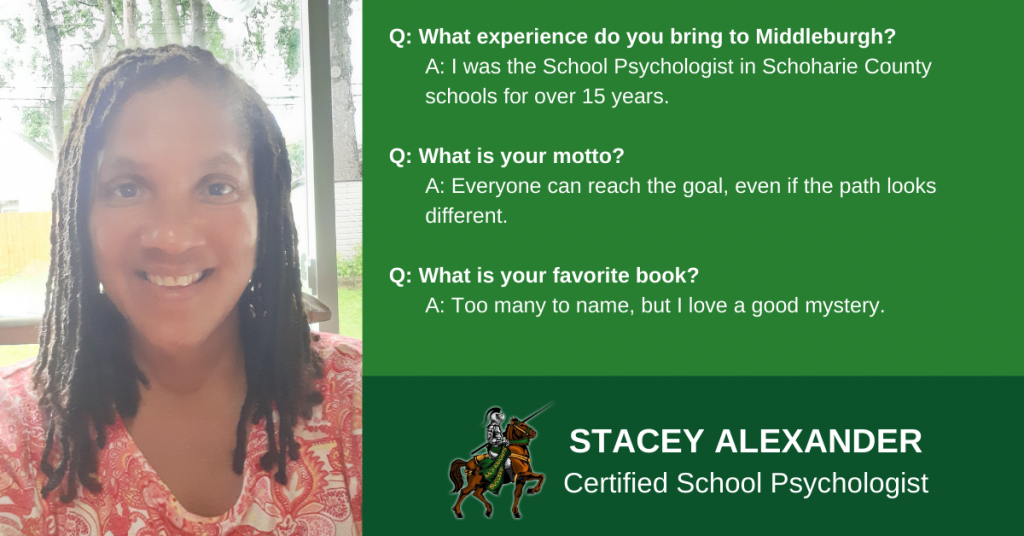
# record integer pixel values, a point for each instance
(496, 439)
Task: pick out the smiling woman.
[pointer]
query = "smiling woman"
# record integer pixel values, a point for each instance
(173, 218)
(178, 383)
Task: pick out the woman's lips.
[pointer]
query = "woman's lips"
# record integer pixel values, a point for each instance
(172, 281)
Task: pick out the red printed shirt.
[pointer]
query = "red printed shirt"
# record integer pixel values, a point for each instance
(323, 495)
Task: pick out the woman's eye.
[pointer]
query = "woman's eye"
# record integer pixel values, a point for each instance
(122, 194)
(220, 189)
(126, 191)
(219, 192)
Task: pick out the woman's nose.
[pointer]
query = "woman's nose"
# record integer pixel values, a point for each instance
(172, 229)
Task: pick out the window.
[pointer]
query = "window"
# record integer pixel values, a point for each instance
(264, 46)
(347, 128)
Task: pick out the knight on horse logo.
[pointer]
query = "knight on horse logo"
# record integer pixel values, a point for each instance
(507, 459)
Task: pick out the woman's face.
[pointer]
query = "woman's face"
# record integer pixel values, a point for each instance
(173, 215)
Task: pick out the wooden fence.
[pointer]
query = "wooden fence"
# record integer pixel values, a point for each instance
(24, 241)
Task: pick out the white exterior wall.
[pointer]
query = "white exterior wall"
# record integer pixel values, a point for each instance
(348, 214)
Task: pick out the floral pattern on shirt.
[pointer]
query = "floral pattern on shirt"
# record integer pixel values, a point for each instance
(323, 495)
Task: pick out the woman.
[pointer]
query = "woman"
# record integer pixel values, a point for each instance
(178, 388)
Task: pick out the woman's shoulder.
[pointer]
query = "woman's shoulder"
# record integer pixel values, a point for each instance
(18, 372)
(21, 441)
(342, 382)
(21, 422)
(17, 398)
(339, 353)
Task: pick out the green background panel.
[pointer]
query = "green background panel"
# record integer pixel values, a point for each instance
(942, 265)
(971, 437)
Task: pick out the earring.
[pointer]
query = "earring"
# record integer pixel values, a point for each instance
(101, 288)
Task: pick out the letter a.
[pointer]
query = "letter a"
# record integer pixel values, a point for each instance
(432, 305)
(726, 441)
(433, 66)
(432, 186)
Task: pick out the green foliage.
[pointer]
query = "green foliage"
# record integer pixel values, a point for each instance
(287, 38)
(297, 159)
(41, 64)
(254, 46)
(117, 8)
(17, 29)
(79, 77)
(215, 37)
(71, 17)
(35, 123)
(351, 267)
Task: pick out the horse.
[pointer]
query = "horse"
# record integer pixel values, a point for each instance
(519, 435)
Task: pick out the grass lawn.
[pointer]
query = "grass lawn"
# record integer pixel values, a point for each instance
(350, 316)
(11, 353)
(22, 294)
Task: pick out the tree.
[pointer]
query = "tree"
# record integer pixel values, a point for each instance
(347, 164)
(172, 22)
(197, 9)
(131, 38)
(99, 46)
(115, 30)
(159, 32)
(56, 45)
(56, 74)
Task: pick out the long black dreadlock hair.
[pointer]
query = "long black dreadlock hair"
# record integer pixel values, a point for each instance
(84, 371)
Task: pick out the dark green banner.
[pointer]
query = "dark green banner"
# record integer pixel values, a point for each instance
(965, 479)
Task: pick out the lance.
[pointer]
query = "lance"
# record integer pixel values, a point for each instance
(535, 413)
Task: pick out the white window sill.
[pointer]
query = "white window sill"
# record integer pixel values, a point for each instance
(19, 330)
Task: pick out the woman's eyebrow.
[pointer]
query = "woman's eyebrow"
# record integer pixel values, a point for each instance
(223, 159)
(124, 164)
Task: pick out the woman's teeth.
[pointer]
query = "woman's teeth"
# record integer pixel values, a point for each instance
(174, 281)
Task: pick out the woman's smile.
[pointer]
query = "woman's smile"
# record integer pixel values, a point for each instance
(175, 280)
(171, 287)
